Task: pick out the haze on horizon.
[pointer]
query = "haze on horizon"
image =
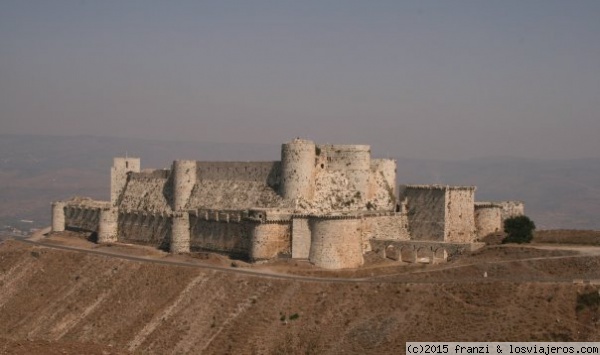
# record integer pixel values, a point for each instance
(418, 79)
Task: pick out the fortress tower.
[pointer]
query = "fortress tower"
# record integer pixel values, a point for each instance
(58, 216)
(298, 169)
(118, 176)
(108, 225)
(354, 161)
(336, 242)
(440, 212)
(488, 218)
(387, 168)
(184, 179)
(180, 233)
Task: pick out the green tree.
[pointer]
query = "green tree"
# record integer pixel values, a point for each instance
(518, 229)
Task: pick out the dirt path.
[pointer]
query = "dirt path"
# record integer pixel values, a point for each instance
(583, 252)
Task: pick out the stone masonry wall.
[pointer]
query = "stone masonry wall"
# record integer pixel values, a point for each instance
(146, 192)
(298, 170)
(385, 169)
(488, 218)
(268, 172)
(145, 228)
(219, 235)
(336, 243)
(58, 216)
(183, 181)
(394, 226)
(82, 218)
(460, 218)
(409, 251)
(512, 209)
(118, 176)
(426, 211)
(300, 238)
(231, 194)
(270, 240)
(354, 161)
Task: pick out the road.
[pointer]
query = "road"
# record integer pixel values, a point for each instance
(37, 240)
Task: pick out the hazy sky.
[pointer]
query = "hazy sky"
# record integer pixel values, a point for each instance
(422, 79)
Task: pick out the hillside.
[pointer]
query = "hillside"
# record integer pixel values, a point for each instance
(35, 170)
(73, 302)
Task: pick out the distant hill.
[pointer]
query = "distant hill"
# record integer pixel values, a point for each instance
(35, 170)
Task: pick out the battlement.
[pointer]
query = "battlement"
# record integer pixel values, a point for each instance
(323, 202)
(439, 187)
(485, 204)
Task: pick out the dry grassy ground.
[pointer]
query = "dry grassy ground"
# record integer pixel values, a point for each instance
(68, 302)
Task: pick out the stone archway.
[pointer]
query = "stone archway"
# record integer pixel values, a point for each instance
(425, 255)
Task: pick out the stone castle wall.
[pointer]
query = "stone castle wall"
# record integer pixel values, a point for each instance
(336, 242)
(354, 161)
(180, 233)
(184, 179)
(270, 240)
(147, 192)
(426, 211)
(220, 232)
(393, 226)
(58, 216)
(108, 225)
(384, 169)
(298, 170)
(118, 176)
(327, 203)
(144, 228)
(488, 218)
(420, 251)
(300, 238)
(232, 194)
(263, 172)
(512, 209)
(82, 218)
(460, 218)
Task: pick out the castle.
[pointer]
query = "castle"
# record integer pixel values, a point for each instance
(329, 204)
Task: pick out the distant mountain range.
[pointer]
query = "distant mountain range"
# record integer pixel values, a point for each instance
(35, 170)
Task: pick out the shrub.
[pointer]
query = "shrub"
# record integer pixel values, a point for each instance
(519, 230)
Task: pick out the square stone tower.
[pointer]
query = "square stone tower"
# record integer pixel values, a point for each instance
(440, 212)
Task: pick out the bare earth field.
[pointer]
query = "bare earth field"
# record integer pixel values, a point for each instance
(124, 299)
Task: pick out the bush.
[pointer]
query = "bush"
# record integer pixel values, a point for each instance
(519, 229)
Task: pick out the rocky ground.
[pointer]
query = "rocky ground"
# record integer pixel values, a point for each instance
(56, 301)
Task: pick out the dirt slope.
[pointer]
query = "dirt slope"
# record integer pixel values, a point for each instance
(62, 302)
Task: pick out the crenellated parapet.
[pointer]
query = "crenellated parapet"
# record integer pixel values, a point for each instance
(326, 203)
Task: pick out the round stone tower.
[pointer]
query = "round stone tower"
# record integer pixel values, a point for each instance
(298, 169)
(354, 161)
(108, 225)
(335, 242)
(180, 233)
(184, 179)
(58, 216)
(488, 218)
